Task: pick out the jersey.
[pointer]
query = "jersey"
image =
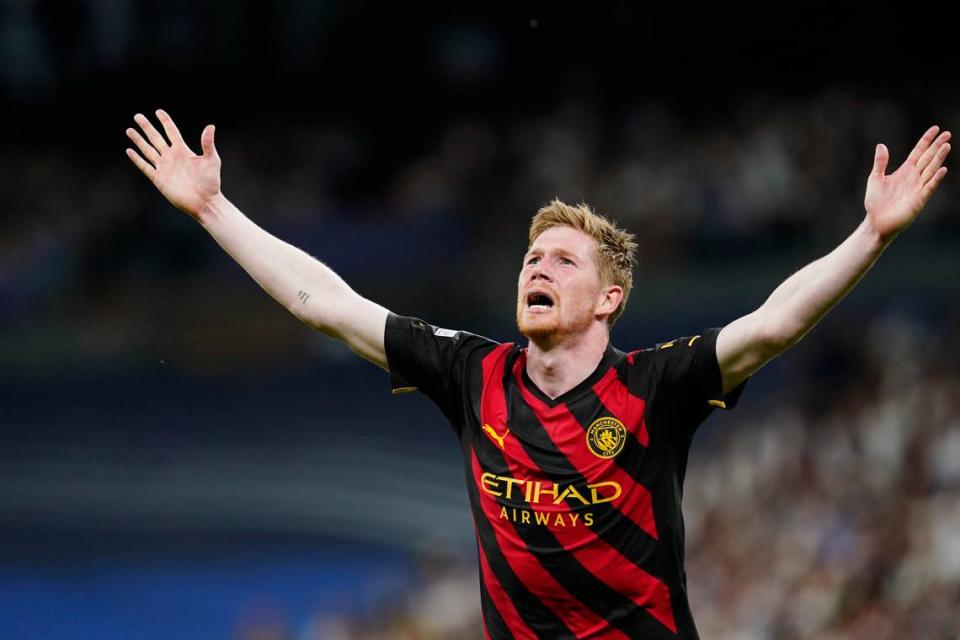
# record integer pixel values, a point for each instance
(575, 499)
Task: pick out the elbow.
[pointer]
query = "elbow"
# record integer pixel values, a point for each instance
(307, 314)
(331, 319)
(320, 324)
(776, 336)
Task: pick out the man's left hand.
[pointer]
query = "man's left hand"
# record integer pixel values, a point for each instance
(893, 201)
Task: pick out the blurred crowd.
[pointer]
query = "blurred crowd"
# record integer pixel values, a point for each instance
(832, 515)
(765, 168)
(770, 174)
(831, 511)
(838, 517)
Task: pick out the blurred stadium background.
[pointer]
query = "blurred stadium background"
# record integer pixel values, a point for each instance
(181, 458)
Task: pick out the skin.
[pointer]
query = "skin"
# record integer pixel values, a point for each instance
(892, 201)
(306, 287)
(567, 341)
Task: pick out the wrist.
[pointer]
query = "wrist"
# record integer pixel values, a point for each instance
(875, 240)
(213, 210)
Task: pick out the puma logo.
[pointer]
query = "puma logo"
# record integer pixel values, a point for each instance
(493, 434)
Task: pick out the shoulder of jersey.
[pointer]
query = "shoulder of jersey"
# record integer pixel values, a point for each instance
(687, 341)
(457, 335)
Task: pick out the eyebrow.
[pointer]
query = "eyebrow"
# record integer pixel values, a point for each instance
(560, 250)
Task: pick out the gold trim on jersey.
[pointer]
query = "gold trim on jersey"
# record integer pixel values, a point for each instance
(400, 390)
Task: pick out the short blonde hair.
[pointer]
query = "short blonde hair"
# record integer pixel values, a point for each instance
(616, 251)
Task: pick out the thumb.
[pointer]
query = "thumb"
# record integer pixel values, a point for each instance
(880, 159)
(206, 141)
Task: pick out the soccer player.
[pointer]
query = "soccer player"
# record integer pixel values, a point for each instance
(574, 451)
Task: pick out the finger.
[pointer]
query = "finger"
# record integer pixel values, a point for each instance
(206, 141)
(142, 164)
(934, 182)
(923, 144)
(880, 159)
(934, 149)
(152, 134)
(173, 134)
(146, 149)
(931, 169)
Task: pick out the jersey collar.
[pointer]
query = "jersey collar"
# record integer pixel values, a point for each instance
(610, 356)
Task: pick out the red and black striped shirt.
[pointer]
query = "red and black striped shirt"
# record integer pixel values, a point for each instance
(576, 499)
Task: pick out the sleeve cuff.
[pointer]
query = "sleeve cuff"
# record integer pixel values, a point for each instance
(393, 342)
(730, 400)
(718, 400)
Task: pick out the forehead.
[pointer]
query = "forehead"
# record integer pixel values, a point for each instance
(564, 239)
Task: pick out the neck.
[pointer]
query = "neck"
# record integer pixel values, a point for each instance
(557, 367)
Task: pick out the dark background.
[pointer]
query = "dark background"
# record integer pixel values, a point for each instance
(179, 457)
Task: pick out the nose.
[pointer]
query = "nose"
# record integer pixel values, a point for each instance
(540, 274)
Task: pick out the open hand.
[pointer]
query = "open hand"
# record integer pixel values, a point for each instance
(187, 180)
(893, 201)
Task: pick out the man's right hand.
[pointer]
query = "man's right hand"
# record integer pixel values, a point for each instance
(190, 182)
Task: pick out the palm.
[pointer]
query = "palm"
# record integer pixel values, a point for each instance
(894, 201)
(187, 180)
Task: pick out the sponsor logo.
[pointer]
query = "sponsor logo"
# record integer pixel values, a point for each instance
(544, 519)
(538, 491)
(606, 437)
(545, 496)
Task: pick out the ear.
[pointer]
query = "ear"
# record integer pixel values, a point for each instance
(609, 299)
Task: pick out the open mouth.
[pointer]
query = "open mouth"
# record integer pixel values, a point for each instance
(539, 300)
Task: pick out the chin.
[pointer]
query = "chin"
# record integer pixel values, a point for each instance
(539, 334)
(537, 328)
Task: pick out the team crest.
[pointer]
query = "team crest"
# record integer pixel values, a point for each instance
(606, 437)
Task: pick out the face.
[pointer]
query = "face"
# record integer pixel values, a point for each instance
(559, 293)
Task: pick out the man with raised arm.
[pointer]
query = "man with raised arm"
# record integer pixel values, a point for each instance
(575, 452)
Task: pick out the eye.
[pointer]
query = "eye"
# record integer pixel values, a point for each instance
(533, 260)
(567, 261)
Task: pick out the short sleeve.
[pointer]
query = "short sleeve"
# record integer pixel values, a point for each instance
(438, 362)
(690, 384)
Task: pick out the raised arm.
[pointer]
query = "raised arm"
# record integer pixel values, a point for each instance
(306, 287)
(796, 306)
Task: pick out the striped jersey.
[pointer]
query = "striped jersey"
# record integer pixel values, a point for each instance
(576, 499)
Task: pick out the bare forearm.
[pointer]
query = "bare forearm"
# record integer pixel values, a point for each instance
(302, 284)
(892, 201)
(799, 303)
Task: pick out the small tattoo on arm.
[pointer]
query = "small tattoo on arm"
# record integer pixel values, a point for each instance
(303, 295)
